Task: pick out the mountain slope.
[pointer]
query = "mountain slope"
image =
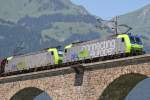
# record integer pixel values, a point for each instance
(139, 20)
(31, 25)
(13, 10)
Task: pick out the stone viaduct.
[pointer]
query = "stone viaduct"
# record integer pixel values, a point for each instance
(105, 80)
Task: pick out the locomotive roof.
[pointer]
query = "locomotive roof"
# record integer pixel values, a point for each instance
(95, 40)
(89, 41)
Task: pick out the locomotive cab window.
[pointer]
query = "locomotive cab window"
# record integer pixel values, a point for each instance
(122, 39)
(138, 40)
(52, 53)
(135, 40)
(132, 40)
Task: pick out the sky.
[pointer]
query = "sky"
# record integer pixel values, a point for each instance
(107, 9)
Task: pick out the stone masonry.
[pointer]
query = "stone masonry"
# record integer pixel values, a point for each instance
(61, 84)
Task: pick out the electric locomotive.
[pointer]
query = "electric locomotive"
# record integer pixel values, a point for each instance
(116, 45)
(35, 60)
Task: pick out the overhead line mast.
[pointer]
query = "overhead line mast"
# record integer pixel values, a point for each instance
(115, 26)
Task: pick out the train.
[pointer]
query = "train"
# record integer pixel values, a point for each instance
(114, 46)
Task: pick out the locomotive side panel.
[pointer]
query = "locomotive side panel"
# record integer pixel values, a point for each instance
(29, 61)
(94, 49)
(71, 55)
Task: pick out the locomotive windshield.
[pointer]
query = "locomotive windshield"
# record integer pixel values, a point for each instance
(135, 40)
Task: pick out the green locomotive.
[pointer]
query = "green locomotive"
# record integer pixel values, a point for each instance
(133, 44)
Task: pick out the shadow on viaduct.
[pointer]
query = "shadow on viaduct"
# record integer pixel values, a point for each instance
(107, 80)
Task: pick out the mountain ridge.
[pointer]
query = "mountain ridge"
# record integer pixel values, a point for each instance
(32, 25)
(139, 20)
